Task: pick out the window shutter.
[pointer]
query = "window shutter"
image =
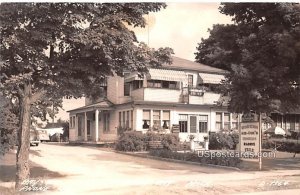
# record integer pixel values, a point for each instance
(193, 124)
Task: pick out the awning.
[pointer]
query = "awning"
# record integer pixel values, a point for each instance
(166, 75)
(211, 78)
(132, 77)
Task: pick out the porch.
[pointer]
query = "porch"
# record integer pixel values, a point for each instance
(92, 123)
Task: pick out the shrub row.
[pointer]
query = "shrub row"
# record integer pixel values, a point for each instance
(219, 141)
(282, 146)
(193, 157)
(136, 141)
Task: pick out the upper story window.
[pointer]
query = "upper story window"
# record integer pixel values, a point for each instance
(163, 84)
(190, 80)
(126, 89)
(126, 85)
(136, 84)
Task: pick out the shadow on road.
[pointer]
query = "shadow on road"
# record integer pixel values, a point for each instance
(8, 169)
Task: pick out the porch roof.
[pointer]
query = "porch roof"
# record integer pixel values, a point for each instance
(102, 105)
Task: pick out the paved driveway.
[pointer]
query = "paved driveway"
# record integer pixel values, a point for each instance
(85, 170)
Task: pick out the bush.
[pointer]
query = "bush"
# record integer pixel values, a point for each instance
(219, 141)
(131, 141)
(193, 157)
(283, 146)
(8, 126)
(136, 141)
(170, 142)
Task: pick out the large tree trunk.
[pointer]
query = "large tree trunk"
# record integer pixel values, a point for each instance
(22, 156)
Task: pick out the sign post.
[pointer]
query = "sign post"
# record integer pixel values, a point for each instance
(250, 137)
(260, 142)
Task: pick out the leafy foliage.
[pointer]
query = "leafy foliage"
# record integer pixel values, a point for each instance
(8, 126)
(218, 141)
(54, 50)
(283, 145)
(131, 141)
(136, 141)
(261, 50)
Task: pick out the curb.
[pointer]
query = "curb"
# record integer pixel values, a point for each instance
(177, 161)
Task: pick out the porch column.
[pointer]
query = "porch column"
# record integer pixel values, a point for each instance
(222, 126)
(230, 120)
(85, 127)
(96, 124)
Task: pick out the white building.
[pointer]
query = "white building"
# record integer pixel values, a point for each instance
(181, 95)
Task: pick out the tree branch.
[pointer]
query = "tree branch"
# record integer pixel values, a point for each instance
(36, 96)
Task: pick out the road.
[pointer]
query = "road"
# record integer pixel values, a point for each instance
(86, 170)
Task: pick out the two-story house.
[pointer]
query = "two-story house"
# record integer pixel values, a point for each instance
(182, 94)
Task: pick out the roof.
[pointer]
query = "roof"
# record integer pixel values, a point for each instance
(104, 104)
(183, 64)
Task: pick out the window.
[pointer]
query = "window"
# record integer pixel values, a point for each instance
(162, 84)
(120, 119)
(227, 121)
(71, 122)
(203, 123)
(165, 84)
(166, 119)
(127, 119)
(123, 121)
(137, 84)
(278, 117)
(183, 118)
(126, 89)
(193, 124)
(131, 119)
(156, 119)
(190, 80)
(79, 125)
(293, 121)
(234, 121)
(218, 121)
(288, 122)
(105, 122)
(74, 118)
(146, 119)
(173, 85)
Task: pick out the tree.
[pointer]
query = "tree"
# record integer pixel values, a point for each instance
(262, 52)
(8, 126)
(64, 49)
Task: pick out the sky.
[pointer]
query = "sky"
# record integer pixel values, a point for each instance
(180, 26)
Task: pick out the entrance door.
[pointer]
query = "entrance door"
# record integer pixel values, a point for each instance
(193, 124)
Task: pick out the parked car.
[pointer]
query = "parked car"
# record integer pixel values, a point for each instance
(43, 135)
(34, 138)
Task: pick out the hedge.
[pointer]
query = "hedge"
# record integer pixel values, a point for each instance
(193, 157)
(136, 141)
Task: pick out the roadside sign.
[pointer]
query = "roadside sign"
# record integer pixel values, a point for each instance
(249, 137)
